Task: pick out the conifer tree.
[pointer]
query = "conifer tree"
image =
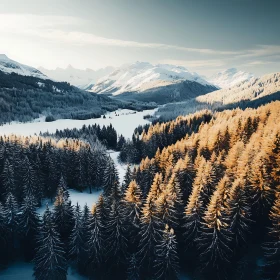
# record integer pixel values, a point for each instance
(110, 177)
(271, 269)
(127, 178)
(8, 178)
(30, 186)
(214, 242)
(166, 263)
(133, 271)
(50, 262)
(4, 236)
(63, 215)
(77, 240)
(238, 211)
(131, 211)
(115, 228)
(29, 223)
(150, 234)
(96, 238)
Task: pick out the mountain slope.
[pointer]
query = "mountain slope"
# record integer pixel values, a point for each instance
(230, 78)
(256, 92)
(146, 82)
(247, 90)
(84, 79)
(8, 65)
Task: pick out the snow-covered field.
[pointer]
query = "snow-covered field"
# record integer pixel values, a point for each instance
(82, 198)
(124, 121)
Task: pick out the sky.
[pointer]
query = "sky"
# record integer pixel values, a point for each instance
(202, 35)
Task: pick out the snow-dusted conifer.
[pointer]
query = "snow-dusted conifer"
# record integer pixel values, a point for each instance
(50, 262)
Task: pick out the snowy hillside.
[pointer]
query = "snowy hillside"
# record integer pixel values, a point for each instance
(256, 88)
(9, 66)
(83, 79)
(230, 78)
(143, 76)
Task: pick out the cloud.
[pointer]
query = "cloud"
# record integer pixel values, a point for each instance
(262, 51)
(54, 28)
(211, 63)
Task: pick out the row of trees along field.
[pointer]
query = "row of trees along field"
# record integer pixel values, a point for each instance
(207, 205)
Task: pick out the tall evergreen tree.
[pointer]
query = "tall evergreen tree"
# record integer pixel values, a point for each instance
(271, 268)
(77, 240)
(166, 263)
(29, 223)
(50, 262)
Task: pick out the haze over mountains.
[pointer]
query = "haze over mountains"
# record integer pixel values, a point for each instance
(229, 78)
(83, 79)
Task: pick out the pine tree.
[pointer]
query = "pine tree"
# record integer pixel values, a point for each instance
(29, 223)
(63, 215)
(131, 211)
(77, 240)
(214, 242)
(150, 234)
(95, 243)
(133, 271)
(4, 236)
(110, 177)
(30, 186)
(166, 263)
(115, 228)
(271, 269)
(127, 178)
(8, 178)
(50, 262)
(238, 211)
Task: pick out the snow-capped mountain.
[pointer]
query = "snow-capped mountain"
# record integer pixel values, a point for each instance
(229, 78)
(9, 66)
(245, 91)
(143, 76)
(84, 79)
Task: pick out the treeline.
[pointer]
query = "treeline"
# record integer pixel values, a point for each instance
(34, 165)
(107, 135)
(148, 139)
(23, 98)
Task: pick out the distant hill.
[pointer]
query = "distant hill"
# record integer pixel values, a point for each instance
(23, 98)
(251, 93)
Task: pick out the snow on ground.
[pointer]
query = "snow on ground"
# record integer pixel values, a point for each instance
(124, 121)
(24, 271)
(83, 198)
(121, 167)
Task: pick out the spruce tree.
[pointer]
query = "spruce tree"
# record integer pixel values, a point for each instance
(133, 271)
(77, 240)
(131, 211)
(214, 242)
(4, 236)
(110, 177)
(166, 265)
(63, 215)
(271, 268)
(50, 262)
(29, 223)
(95, 243)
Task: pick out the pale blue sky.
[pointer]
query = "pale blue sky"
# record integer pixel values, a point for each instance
(205, 36)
